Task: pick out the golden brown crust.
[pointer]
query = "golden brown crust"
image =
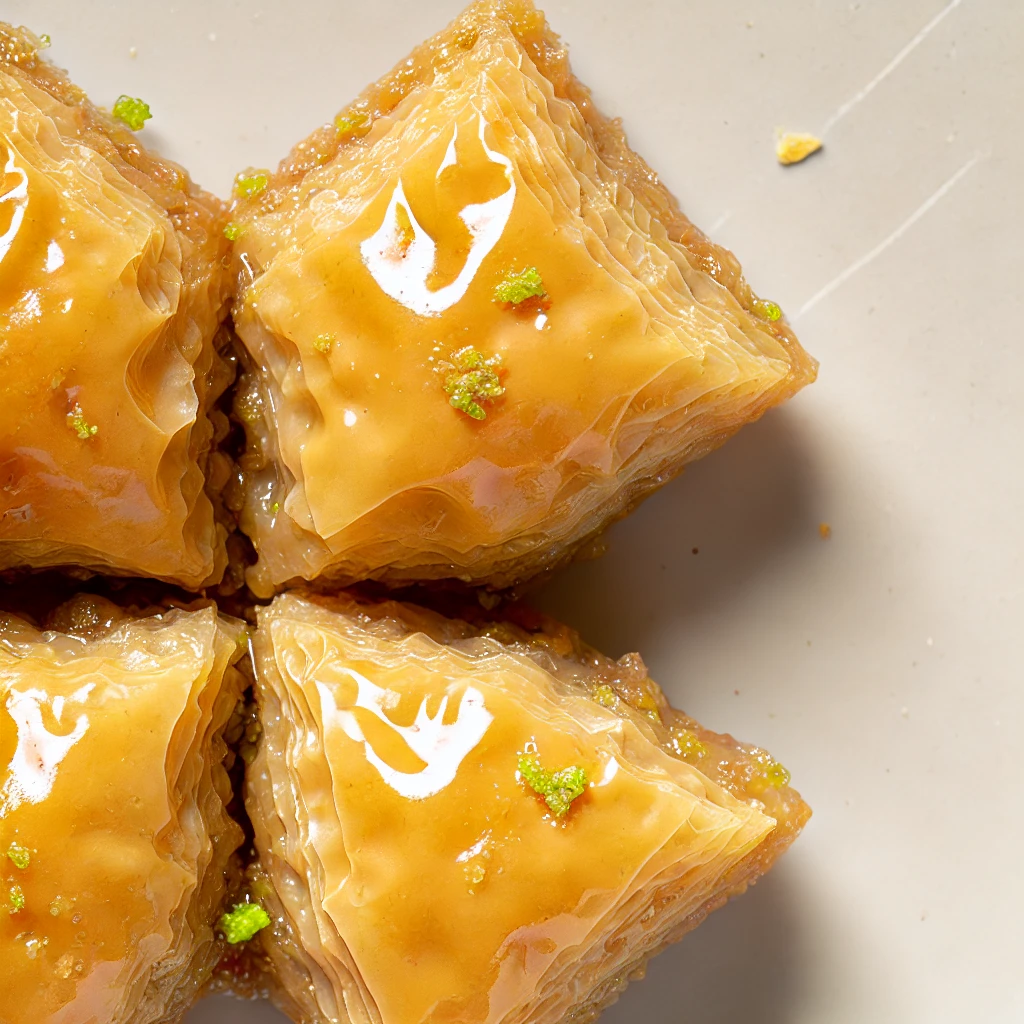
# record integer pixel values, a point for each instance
(201, 254)
(736, 766)
(196, 213)
(302, 966)
(551, 56)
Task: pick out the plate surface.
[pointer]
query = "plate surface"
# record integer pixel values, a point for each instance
(881, 665)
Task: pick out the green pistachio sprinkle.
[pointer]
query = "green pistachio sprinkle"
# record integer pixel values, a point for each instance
(16, 899)
(518, 287)
(559, 789)
(606, 696)
(133, 112)
(77, 422)
(19, 856)
(323, 343)
(352, 123)
(776, 774)
(249, 185)
(232, 231)
(242, 922)
(275, 507)
(44, 41)
(767, 310)
(474, 380)
(687, 744)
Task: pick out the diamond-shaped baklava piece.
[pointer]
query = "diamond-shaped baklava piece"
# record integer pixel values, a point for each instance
(113, 284)
(478, 327)
(485, 822)
(115, 842)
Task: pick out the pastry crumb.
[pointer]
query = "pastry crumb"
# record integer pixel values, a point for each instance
(794, 147)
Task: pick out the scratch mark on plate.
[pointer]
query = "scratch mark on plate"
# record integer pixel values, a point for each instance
(890, 67)
(721, 222)
(889, 239)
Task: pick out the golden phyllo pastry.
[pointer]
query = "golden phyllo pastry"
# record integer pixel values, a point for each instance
(478, 327)
(112, 287)
(115, 842)
(482, 823)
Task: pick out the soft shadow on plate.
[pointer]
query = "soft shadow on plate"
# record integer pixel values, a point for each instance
(740, 964)
(742, 507)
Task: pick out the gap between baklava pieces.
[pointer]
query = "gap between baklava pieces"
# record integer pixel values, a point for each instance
(420, 779)
(119, 851)
(115, 258)
(477, 327)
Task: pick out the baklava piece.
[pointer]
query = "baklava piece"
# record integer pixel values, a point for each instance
(482, 822)
(113, 284)
(116, 848)
(478, 327)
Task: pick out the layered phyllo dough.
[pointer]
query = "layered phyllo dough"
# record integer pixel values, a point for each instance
(485, 822)
(478, 327)
(115, 843)
(113, 285)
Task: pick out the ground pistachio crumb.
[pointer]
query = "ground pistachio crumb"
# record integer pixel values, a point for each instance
(243, 921)
(132, 111)
(44, 41)
(19, 856)
(77, 422)
(355, 122)
(323, 343)
(776, 774)
(606, 696)
(687, 744)
(767, 310)
(472, 381)
(232, 231)
(16, 899)
(793, 147)
(518, 286)
(559, 789)
(251, 183)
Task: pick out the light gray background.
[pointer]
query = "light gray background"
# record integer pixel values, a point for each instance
(883, 665)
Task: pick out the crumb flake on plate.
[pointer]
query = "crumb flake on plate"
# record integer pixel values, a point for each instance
(795, 147)
(464, 822)
(115, 844)
(478, 327)
(113, 286)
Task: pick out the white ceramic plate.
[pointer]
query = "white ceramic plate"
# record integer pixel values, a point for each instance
(882, 665)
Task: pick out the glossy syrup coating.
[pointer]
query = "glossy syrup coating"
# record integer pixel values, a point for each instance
(112, 288)
(415, 871)
(113, 788)
(412, 414)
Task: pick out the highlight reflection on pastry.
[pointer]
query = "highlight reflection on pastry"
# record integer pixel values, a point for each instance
(486, 822)
(115, 845)
(112, 287)
(478, 328)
